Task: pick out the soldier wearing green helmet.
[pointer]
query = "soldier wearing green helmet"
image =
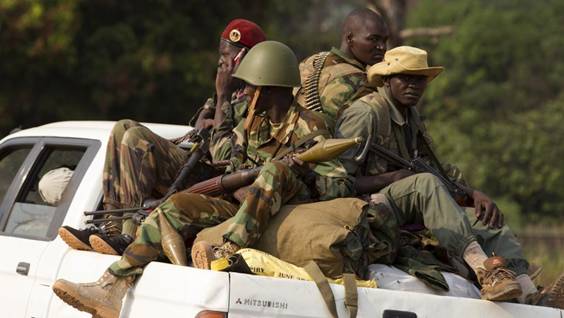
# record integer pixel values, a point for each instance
(274, 129)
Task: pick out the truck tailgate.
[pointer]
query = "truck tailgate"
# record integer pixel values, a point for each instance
(255, 296)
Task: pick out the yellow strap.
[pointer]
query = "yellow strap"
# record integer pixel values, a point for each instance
(313, 270)
(351, 294)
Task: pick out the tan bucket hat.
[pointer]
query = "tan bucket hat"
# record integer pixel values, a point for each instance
(403, 60)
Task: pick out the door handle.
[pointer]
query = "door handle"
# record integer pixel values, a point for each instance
(23, 268)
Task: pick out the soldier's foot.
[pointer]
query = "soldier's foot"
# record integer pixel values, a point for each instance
(101, 298)
(110, 244)
(203, 254)
(497, 281)
(76, 238)
(550, 297)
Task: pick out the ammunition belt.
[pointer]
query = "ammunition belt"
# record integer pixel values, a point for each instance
(312, 99)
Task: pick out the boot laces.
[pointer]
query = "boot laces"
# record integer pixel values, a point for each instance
(497, 275)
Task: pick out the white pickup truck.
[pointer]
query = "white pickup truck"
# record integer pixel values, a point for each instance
(32, 257)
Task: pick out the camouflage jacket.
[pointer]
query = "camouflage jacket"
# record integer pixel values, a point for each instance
(263, 142)
(376, 118)
(341, 76)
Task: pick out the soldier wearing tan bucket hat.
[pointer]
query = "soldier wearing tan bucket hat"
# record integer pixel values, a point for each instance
(403, 60)
(386, 115)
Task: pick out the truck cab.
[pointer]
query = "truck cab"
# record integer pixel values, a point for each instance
(33, 257)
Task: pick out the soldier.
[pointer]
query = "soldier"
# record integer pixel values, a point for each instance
(330, 79)
(279, 128)
(140, 163)
(388, 115)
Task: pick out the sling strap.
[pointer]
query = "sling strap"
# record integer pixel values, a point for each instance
(313, 270)
(351, 293)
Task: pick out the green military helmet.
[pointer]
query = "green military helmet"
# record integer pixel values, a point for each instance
(269, 63)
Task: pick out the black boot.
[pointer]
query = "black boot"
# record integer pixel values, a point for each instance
(113, 245)
(76, 238)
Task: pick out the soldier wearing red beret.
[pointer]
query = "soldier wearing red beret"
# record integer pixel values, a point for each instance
(156, 169)
(230, 104)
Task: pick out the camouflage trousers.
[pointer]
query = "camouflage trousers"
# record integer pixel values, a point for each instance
(275, 185)
(187, 213)
(423, 199)
(140, 164)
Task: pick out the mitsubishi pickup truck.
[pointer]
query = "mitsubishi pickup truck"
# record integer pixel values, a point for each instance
(32, 257)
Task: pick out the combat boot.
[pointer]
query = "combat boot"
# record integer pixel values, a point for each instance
(203, 254)
(102, 298)
(550, 297)
(497, 281)
(76, 238)
(110, 244)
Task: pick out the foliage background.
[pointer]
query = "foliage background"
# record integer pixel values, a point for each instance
(496, 111)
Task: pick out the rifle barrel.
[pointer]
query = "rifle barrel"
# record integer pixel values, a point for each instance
(114, 211)
(417, 165)
(103, 220)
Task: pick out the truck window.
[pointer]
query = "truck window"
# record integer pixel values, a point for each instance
(44, 190)
(10, 162)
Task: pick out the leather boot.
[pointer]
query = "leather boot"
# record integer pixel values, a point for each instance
(550, 297)
(101, 299)
(203, 254)
(498, 283)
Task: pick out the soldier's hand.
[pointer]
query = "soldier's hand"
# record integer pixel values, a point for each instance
(297, 165)
(224, 82)
(402, 173)
(204, 124)
(241, 193)
(487, 211)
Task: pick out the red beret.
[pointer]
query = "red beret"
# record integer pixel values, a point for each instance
(243, 32)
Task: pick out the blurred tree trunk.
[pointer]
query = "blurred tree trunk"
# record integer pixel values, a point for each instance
(395, 12)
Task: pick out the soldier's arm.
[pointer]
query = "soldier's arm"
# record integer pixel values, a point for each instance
(340, 90)
(360, 120)
(331, 178)
(204, 115)
(220, 146)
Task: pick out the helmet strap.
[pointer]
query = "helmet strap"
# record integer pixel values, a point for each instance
(252, 106)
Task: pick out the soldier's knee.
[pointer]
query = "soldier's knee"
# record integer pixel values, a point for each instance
(125, 124)
(132, 136)
(184, 199)
(428, 178)
(191, 204)
(275, 167)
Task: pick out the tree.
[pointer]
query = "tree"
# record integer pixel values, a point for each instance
(497, 108)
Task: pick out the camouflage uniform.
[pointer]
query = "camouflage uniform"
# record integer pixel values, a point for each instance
(235, 112)
(140, 164)
(421, 198)
(341, 77)
(131, 173)
(275, 185)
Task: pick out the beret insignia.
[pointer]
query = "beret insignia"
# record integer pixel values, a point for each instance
(235, 36)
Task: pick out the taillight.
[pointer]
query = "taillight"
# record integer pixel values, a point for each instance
(211, 314)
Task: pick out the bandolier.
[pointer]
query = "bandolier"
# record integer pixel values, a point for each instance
(329, 80)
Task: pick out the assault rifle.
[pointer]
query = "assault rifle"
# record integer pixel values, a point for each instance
(418, 165)
(322, 151)
(200, 146)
